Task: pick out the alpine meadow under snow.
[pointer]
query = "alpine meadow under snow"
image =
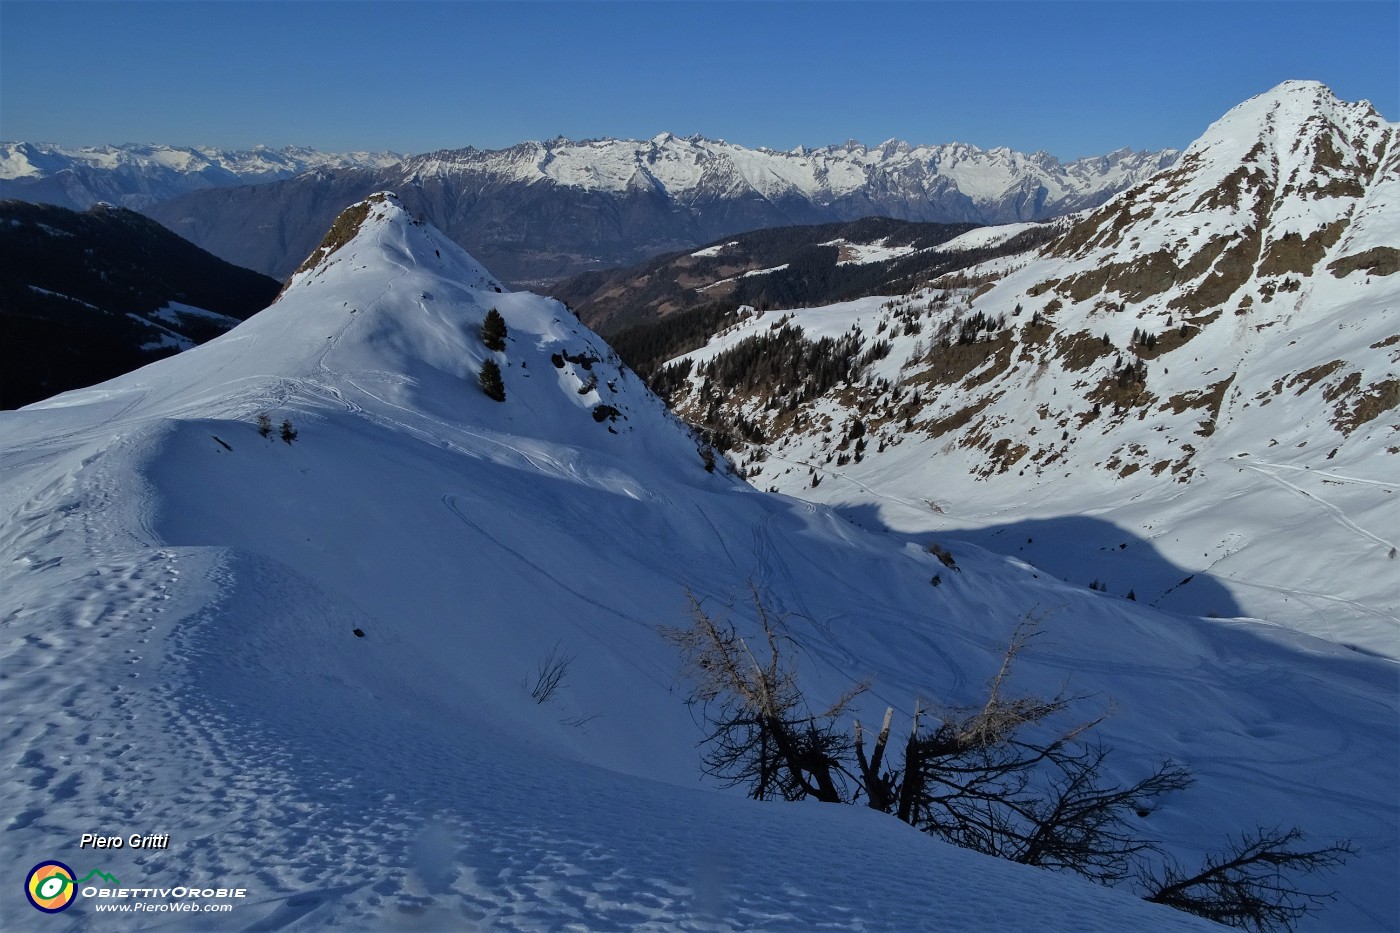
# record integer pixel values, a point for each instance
(361, 601)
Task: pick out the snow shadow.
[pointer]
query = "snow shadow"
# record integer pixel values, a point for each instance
(1083, 551)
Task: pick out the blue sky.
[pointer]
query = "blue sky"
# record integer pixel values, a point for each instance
(1071, 78)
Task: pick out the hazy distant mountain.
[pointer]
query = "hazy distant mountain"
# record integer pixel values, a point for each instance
(138, 176)
(540, 211)
(88, 296)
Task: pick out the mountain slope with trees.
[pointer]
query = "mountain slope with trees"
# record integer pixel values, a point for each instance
(88, 296)
(1209, 360)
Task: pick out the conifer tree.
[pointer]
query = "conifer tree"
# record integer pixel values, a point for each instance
(491, 382)
(493, 331)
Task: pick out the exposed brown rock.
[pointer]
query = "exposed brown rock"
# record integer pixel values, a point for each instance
(1366, 406)
(1381, 260)
(1293, 253)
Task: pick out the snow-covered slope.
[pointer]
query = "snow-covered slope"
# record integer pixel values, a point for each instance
(1207, 363)
(138, 176)
(310, 663)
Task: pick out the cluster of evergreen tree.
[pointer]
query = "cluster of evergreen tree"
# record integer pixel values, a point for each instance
(976, 324)
(646, 347)
(1145, 339)
(1130, 373)
(786, 363)
(493, 335)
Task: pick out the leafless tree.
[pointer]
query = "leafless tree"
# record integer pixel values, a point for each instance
(550, 674)
(762, 734)
(1008, 777)
(1253, 884)
(1001, 779)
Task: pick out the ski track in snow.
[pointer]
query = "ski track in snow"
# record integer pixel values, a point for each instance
(1334, 513)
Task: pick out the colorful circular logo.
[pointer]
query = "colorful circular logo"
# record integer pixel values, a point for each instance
(50, 887)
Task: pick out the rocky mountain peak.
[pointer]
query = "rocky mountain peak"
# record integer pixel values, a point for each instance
(1237, 308)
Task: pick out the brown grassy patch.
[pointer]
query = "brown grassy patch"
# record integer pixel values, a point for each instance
(1231, 190)
(1114, 392)
(1231, 271)
(1367, 406)
(1171, 339)
(1293, 253)
(957, 419)
(1208, 398)
(1002, 456)
(1349, 384)
(1079, 351)
(951, 364)
(1144, 277)
(1382, 260)
(342, 231)
(1308, 378)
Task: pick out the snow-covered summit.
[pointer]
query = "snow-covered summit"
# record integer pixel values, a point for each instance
(691, 167)
(1294, 162)
(390, 310)
(1209, 358)
(139, 175)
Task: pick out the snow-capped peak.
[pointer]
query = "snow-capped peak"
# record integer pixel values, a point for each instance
(687, 168)
(409, 240)
(1239, 307)
(1283, 122)
(139, 175)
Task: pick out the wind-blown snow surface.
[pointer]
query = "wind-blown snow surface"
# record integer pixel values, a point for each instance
(180, 594)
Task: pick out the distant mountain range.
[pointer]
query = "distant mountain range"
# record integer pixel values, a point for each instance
(138, 176)
(541, 211)
(88, 296)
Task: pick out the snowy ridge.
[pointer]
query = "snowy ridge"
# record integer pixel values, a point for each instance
(182, 598)
(983, 237)
(137, 176)
(996, 180)
(261, 163)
